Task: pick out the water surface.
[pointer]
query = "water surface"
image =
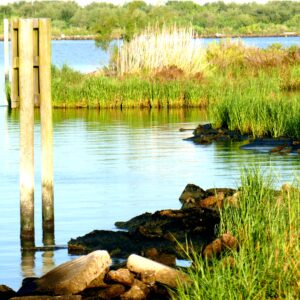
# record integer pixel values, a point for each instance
(111, 165)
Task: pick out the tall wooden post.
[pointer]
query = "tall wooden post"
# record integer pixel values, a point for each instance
(26, 131)
(46, 130)
(6, 59)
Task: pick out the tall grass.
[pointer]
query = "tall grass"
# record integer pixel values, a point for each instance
(266, 266)
(157, 48)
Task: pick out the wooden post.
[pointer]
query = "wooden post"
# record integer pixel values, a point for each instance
(26, 131)
(14, 63)
(46, 129)
(6, 60)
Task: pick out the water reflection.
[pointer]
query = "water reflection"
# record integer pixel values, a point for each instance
(28, 263)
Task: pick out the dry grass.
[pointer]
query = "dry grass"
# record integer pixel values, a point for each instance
(156, 49)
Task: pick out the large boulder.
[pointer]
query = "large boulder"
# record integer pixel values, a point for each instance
(71, 277)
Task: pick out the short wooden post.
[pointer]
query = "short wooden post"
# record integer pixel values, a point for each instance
(46, 129)
(6, 60)
(26, 131)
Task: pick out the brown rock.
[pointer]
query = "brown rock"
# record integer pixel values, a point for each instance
(135, 293)
(213, 201)
(6, 292)
(229, 242)
(225, 242)
(148, 277)
(142, 286)
(112, 291)
(163, 258)
(74, 276)
(213, 249)
(123, 276)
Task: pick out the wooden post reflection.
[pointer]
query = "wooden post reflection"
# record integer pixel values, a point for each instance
(28, 263)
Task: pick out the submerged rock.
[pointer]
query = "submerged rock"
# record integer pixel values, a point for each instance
(272, 145)
(206, 134)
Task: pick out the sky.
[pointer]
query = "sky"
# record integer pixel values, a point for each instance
(117, 2)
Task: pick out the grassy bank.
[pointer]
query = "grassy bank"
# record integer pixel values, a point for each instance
(266, 266)
(255, 91)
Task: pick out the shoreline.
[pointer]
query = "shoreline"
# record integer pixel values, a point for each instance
(63, 37)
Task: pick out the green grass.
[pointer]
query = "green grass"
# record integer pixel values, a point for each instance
(72, 89)
(266, 266)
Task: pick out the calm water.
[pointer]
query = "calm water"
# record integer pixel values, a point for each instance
(110, 166)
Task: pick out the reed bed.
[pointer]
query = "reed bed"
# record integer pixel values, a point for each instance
(156, 48)
(255, 91)
(266, 266)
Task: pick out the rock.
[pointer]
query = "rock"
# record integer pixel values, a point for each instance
(142, 286)
(72, 277)
(214, 191)
(163, 258)
(134, 222)
(148, 277)
(213, 249)
(224, 243)
(122, 276)
(163, 274)
(202, 128)
(135, 293)
(229, 242)
(205, 134)
(112, 291)
(215, 201)
(160, 292)
(40, 297)
(161, 230)
(6, 292)
(278, 148)
(192, 192)
(273, 145)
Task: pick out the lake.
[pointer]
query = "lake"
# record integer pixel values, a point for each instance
(109, 166)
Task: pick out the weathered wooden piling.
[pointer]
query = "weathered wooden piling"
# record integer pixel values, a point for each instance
(6, 59)
(46, 129)
(31, 87)
(25, 62)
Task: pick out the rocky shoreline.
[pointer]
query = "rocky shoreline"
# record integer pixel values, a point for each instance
(205, 134)
(151, 245)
